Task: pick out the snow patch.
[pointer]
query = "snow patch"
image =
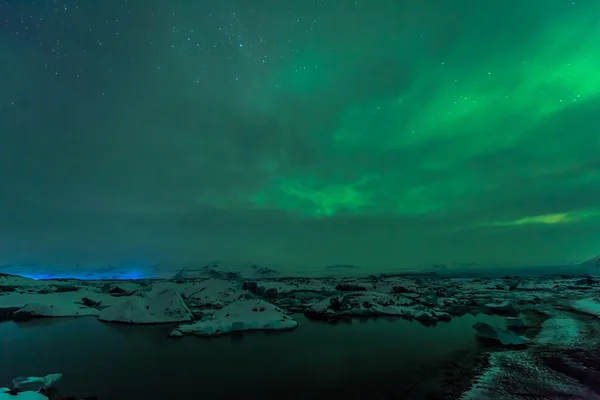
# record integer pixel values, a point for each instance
(560, 331)
(588, 306)
(41, 310)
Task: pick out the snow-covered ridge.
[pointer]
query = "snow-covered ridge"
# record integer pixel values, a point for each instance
(594, 261)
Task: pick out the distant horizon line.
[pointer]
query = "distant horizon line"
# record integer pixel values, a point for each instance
(246, 264)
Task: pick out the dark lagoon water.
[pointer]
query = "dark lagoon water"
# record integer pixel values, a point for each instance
(316, 360)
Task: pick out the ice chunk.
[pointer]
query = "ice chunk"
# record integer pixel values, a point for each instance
(242, 315)
(515, 323)
(36, 383)
(427, 317)
(505, 337)
(164, 307)
(5, 394)
(502, 308)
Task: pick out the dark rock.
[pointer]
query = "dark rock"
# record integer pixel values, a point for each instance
(458, 310)
(426, 319)
(516, 324)
(514, 285)
(8, 288)
(444, 317)
(400, 289)
(349, 287)
(430, 301)
(89, 302)
(472, 303)
(117, 290)
(337, 304)
(23, 315)
(6, 313)
(252, 287)
(270, 293)
(63, 288)
(51, 393)
(504, 308)
(586, 281)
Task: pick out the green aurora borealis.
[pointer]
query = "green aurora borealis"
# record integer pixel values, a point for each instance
(494, 103)
(373, 132)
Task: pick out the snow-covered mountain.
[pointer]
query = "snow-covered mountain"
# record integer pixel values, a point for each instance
(594, 261)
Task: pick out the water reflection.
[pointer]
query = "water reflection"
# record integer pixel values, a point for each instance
(117, 361)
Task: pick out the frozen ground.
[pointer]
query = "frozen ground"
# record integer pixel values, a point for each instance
(548, 349)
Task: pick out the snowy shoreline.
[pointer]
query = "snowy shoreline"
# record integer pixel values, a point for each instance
(555, 313)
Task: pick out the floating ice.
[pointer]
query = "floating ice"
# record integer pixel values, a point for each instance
(36, 383)
(503, 336)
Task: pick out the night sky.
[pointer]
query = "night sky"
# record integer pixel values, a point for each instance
(374, 132)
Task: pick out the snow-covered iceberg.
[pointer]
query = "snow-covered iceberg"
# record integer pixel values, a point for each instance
(164, 307)
(244, 315)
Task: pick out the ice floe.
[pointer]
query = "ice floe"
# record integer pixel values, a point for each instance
(36, 383)
(500, 335)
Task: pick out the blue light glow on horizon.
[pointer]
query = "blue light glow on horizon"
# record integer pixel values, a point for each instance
(120, 271)
(88, 276)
